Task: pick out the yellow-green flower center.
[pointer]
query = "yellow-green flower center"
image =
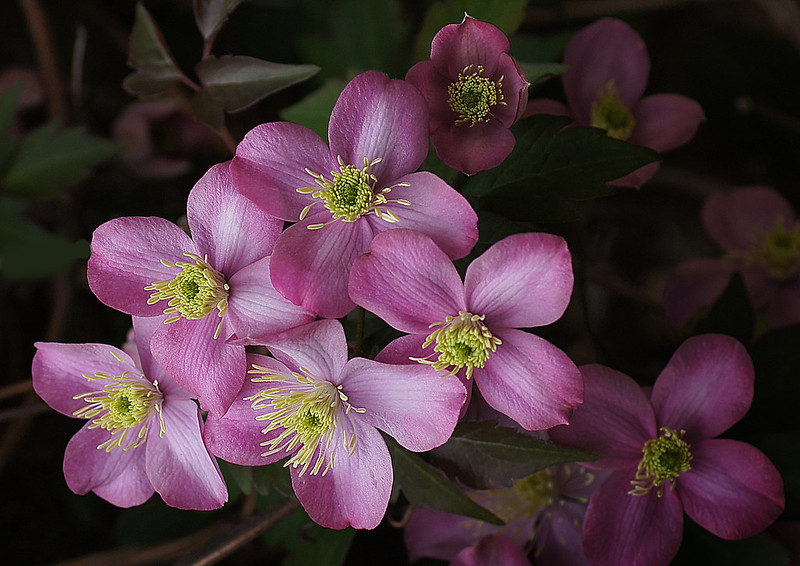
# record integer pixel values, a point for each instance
(663, 459)
(307, 413)
(350, 194)
(525, 499)
(779, 253)
(194, 292)
(462, 341)
(472, 96)
(609, 113)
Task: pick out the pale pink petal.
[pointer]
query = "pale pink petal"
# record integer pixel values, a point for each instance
(524, 280)
(666, 121)
(270, 165)
(319, 347)
(706, 387)
(230, 228)
(399, 351)
(407, 281)
(471, 149)
(311, 267)
(607, 50)
(379, 118)
(637, 178)
(614, 421)
(472, 42)
(530, 380)
(546, 106)
(692, 286)
(414, 404)
(436, 209)
(733, 490)
(126, 258)
(433, 86)
(492, 549)
(627, 529)
(355, 492)
(434, 534)
(256, 309)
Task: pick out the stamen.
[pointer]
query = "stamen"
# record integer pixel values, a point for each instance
(609, 113)
(663, 459)
(473, 96)
(779, 253)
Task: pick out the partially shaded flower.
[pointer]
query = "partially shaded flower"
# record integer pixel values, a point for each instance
(475, 91)
(607, 73)
(492, 549)
(665, 457)
(341, 197)
(144, 432)
(471, 328)
(323, 412)
(759, 233)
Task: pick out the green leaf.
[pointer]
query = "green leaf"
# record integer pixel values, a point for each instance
(320, 547)
(482, 455)
(51, 158)
(427, 486)
(273, 477)
(537, 72)
(732, 314)
(314, 111)
(8, 110)
(156, 70)
(210, 15)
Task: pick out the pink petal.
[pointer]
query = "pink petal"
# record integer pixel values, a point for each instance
(524, 280)
(432, 200)
(433, 86)
(412, 403)
(126, 258)
(311, 267)
(706, 387)
(559, 537)
(407, 281)
(637, 178)
(319, 347)
(270, 165)
(355, 492)
(492, 549)
(472, 42)
(666, 121)
(376, 117)
(692, 286)
(515, 91)
(256, 309)
(546, 106)
(627, 529)
(399, 351)
(143, 329)
(230, 228)
(471, 149)
(732, 490)
(530, 380)
(118, 476)
(434, 534)
(607, 50)
(614, 421)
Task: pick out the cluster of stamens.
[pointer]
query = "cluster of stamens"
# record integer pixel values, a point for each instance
(609, 113)
(663, 459)
(472, 96)
(779, 253)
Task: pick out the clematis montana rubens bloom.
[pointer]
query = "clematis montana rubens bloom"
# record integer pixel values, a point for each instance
(475, 91)
(323, 412)
(607, 73)
(471, 328)
(665, 459)
(214, 287)
(760, 235)
(143, 432)
(341, 197)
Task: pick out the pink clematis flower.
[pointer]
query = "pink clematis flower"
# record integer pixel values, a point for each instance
(758, 230)
(214, 287)
(524, 280)
(143, 432)
(492, 549)
(364, 184)
(475, 91)
(607, 75)
(665, 459)
(323, 412)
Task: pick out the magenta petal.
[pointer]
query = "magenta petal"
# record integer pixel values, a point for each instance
(530, 380)
(58, 371)
(179, 466)
(126, 258)
(204, 366)
(433, 86)
(614, 421)
(256, 309)
(492, 549)
(546, 106)
(524, 280)
(515, 91)
(607, 50)
(733, 490)
(270, 165)
(666, 121)
(228, 227)
(472, 42)
(433, 200)
(400, 350)
(434, 534)
(692, 286)
(379, 118)
(638, 177)
(356, 490)
(407, 281)
(706, 387)
(412, 403)
(625, 529)
(471, 149)
(311, 267)
(319, 348)
(117, 476)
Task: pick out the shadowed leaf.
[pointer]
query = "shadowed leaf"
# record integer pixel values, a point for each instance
(210, 15)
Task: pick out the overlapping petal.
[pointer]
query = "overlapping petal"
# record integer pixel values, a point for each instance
(666, 121)
(320, 348)
(473, 149)
(472, 42)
